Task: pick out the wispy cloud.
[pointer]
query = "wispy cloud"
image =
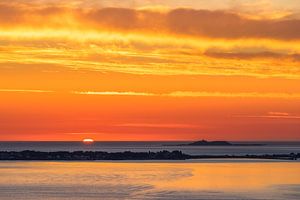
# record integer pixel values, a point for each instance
(172, 94)
(80, 133)
(272, 115)
(114, 93)
(224, 94)
(158, 125)
(278, 113)
(192, 94)
(25, 90)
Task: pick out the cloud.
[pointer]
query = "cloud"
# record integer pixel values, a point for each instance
(239, 54)
(220, 24)
(160, 125)
(192, 94)
(181, 21)
(263, 9)
(174, 41)
(171, 94)
(114, 93)
(233, 95)
(80, 133)
(25, 90)
(273, 115)
(278, 113)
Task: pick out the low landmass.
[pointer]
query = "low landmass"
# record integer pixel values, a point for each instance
(128, 155)
(216, 143)
(212, 143)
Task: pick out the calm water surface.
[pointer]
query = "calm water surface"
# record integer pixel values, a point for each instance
(269, 148)
(207, 179)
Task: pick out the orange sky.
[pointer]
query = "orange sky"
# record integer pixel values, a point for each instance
(149, 70)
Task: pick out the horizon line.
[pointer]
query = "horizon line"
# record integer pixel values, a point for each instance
(298, 140)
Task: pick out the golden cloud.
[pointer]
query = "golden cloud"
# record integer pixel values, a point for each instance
(187, 22)
(148, 41)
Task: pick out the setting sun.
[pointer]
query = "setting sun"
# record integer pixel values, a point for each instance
(88, 141)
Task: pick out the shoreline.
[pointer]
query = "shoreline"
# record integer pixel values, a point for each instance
(129, 156)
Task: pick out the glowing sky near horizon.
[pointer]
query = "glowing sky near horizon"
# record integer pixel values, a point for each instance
(150, 70)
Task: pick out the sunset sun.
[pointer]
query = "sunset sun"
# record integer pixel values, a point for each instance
(88, 141)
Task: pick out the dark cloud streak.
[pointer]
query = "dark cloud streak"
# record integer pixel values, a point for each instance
(251, 55)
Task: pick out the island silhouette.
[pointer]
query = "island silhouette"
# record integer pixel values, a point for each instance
(212, 143)
(216, 143)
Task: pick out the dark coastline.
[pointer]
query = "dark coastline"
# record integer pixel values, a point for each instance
(127, 155)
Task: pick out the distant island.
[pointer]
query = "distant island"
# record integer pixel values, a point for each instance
(212, 143)
(127, 155)
(216, 143)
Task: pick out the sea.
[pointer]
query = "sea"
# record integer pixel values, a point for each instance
(182, 180)
(202, 179)
(266, 148)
